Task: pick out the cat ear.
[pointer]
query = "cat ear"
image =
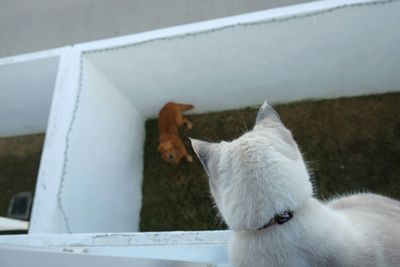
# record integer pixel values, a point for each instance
(202, 150)
(267, 112)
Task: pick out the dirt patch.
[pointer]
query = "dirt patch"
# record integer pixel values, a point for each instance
(19, 165)
(350, 144)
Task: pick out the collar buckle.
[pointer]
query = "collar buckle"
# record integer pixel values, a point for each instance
(280, 218)
(283, 217)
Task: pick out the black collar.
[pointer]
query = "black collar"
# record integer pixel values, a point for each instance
(280, 218)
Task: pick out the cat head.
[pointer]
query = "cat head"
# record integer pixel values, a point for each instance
(258, 175)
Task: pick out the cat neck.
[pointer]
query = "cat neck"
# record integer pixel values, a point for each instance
(312, 213)
(315, 229)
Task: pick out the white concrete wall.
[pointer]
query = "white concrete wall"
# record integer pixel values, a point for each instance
(26, 90)
(46, 216)
(317, 50)
(27, 26)
(34, 97)
(22, 255)
(101, 186)
(205, 246)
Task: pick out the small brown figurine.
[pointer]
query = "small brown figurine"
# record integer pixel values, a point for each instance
(171, 146)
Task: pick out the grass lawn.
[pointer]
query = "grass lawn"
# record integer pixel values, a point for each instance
(350, 144)
(19, 165)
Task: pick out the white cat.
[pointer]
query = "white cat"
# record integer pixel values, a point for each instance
(261, 187)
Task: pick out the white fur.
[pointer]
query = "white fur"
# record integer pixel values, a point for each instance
(263, 173)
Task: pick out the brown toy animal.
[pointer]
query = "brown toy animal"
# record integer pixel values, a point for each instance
(171, 146)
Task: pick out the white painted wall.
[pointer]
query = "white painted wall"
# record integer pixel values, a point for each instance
(101, 187)
(281, 55)
(22, 255)
(27, 26)
(46, 216)
(205, 246)
(26, 90)
(32, 89)
(36, 96)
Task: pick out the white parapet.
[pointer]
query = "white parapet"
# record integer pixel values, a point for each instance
(27, 84)
(205, 246)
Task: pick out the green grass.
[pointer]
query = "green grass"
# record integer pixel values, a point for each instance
(350, 144)
(19, 165)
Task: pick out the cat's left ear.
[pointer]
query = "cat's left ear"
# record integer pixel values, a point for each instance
(266, 112)
(202, 150)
